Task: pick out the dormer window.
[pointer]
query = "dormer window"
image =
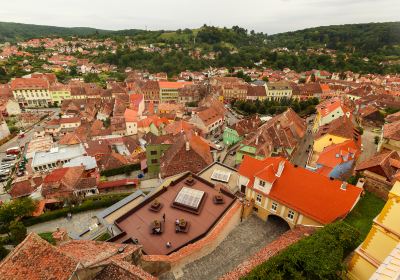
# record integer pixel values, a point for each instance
(262, 183)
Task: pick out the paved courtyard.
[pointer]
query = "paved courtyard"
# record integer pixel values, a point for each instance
(244, 241)
(76, 225)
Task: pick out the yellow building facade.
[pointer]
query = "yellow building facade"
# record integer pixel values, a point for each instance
(327, 140)
(382, 239)
(264, 206)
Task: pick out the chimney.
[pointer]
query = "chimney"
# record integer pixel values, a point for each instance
(187, 146)
(280, 169)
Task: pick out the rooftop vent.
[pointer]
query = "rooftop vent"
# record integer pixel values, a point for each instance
(343, 186)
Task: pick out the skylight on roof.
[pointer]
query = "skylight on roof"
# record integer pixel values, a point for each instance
(189, 197)
(220, 175)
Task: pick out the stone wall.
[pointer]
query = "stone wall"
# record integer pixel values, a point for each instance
(158, 264)
(268, 252)
(377, 186)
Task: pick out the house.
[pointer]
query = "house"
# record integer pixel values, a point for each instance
(155, 148)
(275, 187)
(337, 160)
(169, 91)
(208, 120)
(131, 121)
(35, 258)
(378, 256)
(69, 124)
(329, 111)
(67, 182)
(390, 137)
(136, 103)
(25, 186)
(45, 161)
(58, 93)
(31, 92)
(278, 136)
(185, 154)
(380, 172)
(278, 90)
(335, 132)
(256, 93)
(370, 115)
(52, 127)
(236, 132)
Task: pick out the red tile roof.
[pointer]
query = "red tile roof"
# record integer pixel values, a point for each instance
(36, 259)
(29, 83)
(311, 194)
(118, 183)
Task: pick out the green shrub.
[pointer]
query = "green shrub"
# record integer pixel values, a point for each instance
(319, 256)
(121, 170)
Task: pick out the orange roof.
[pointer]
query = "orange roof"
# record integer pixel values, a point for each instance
(311, 194)
(29, 83)
(329, 106)
(334, 155)
(130, 115)
(173, 85)
(267, 174)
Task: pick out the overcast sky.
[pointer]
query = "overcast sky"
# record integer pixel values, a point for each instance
(270, 16)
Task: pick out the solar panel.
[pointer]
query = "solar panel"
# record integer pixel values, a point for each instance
(189, 197)
(220, 175)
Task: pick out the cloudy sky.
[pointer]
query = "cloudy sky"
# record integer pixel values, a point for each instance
(270, 16)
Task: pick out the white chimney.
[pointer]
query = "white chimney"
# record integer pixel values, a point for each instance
(187, 146)
(280, 169)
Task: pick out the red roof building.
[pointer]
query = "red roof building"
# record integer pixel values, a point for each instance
(299, 196)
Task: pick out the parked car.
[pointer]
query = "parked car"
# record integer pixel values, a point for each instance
(216, 135)
(232, 153)
(20, 173)
(21, 134)
(13, 151)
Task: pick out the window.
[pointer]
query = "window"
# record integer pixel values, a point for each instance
(154, 161)
(153, 153)
(290, 215)
(274, 206)
(258, 198)
(262, 183)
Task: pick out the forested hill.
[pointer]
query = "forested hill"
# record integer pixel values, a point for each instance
(365, 37)
(12, 32)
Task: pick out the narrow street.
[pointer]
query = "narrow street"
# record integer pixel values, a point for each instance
(300, 156)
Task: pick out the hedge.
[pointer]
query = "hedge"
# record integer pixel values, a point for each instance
(120, 170)
(91, 203)
(319, 256)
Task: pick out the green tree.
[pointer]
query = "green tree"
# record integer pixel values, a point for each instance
(17, 232)
(3, 252)
(15, 210)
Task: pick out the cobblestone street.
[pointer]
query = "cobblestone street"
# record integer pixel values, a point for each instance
(245, 240)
